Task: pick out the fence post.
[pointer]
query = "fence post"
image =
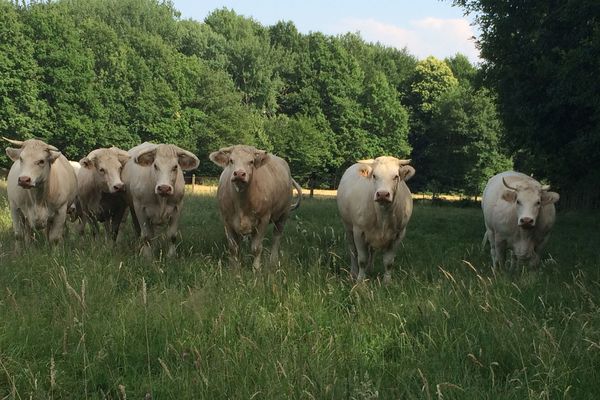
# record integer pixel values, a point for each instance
(193, 183)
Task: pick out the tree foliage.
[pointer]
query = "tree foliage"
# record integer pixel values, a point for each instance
(542, 59)
(89, 73)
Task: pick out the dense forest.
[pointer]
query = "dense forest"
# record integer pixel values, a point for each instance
(82, 74)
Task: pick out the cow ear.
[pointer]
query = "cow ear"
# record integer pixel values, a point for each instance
(13, 154)
(509, 195)
(122, 155)
(406, 172)
(260, 158)
(221, 157)
(146, 158)
(86, 162)
(187, 160)
(365, 170)
(549, 198)
(53, 155)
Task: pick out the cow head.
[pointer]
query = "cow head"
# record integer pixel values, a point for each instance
(240, 162)
(528, 197)
(385, 173)
(35, 158)
(167, 162)
(106, 165)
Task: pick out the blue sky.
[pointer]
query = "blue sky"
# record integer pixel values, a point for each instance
(425, 27)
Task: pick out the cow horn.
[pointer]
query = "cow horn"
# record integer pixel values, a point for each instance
(545, 188)
(506, 184)
(405, 162)
(50, 147)
(15, 142)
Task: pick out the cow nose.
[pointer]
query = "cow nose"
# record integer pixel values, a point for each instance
(239, 174)
(24, 180)
(164, 189)
(526, 221)
(118, 187)
(382, 195)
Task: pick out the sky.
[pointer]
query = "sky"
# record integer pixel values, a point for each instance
(424, 27)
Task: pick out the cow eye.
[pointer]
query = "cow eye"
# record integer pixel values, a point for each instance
(374, 176)
(538, 203)
(230, 161)
(102, 170)
(156, 167)
(251, 162)
(397, 177)
(174, 168)
(519, 202)
(40, 162)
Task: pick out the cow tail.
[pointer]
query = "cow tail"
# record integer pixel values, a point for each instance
(299, 190)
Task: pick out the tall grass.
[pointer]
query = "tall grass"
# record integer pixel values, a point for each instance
(89, 320)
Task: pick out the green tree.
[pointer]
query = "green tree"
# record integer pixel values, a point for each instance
(464, 147)
(541, 58)
(431, 79)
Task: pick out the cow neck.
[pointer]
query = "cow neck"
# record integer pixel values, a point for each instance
(243, 200)
(386, 216)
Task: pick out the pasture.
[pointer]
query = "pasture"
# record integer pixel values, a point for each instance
(89, 320)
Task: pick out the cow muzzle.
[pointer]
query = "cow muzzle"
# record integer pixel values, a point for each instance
(120, 187)
(383, 197)
(239, 176)
(526, 222)
(25, 182)
(164, 190)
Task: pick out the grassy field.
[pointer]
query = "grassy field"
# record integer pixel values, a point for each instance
(90, 320)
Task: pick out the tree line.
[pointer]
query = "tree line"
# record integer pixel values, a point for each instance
(82, 74)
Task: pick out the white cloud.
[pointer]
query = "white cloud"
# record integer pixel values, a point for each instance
(428, 36)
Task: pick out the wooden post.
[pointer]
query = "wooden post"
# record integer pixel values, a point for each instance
(193, 183)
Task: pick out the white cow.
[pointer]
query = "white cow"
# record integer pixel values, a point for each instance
(154, 187)
(41, 187)
(375, 205)
(255, 189)
(519, 214)
(101, 190)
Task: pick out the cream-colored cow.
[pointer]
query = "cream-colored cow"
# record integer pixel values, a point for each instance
(41, 187)
(375, 205)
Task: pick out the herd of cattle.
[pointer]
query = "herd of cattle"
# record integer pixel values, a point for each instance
(255, 189)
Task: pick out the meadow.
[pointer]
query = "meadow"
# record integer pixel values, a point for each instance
(91, 320)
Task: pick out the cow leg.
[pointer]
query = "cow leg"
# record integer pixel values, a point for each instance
(277, 235)
(57, 226)
(362, 252)
(500, 251)
(352, 251)
(134, 222)
(146, 231)
(390, 255)
(20, 229)
(233, 242)
(172, 232)
(116, 220)
(257, 240)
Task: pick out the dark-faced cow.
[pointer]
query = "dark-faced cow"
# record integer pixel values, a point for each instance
(154, 187)
(255, 189)
(519, 214)
(41, 187)
(101, 194)
(375, 205)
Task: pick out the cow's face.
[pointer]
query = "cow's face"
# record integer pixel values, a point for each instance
(106, 165)
(385, 173)
(35, 158)
(240, 162)
(528, 199)
(167, 162)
